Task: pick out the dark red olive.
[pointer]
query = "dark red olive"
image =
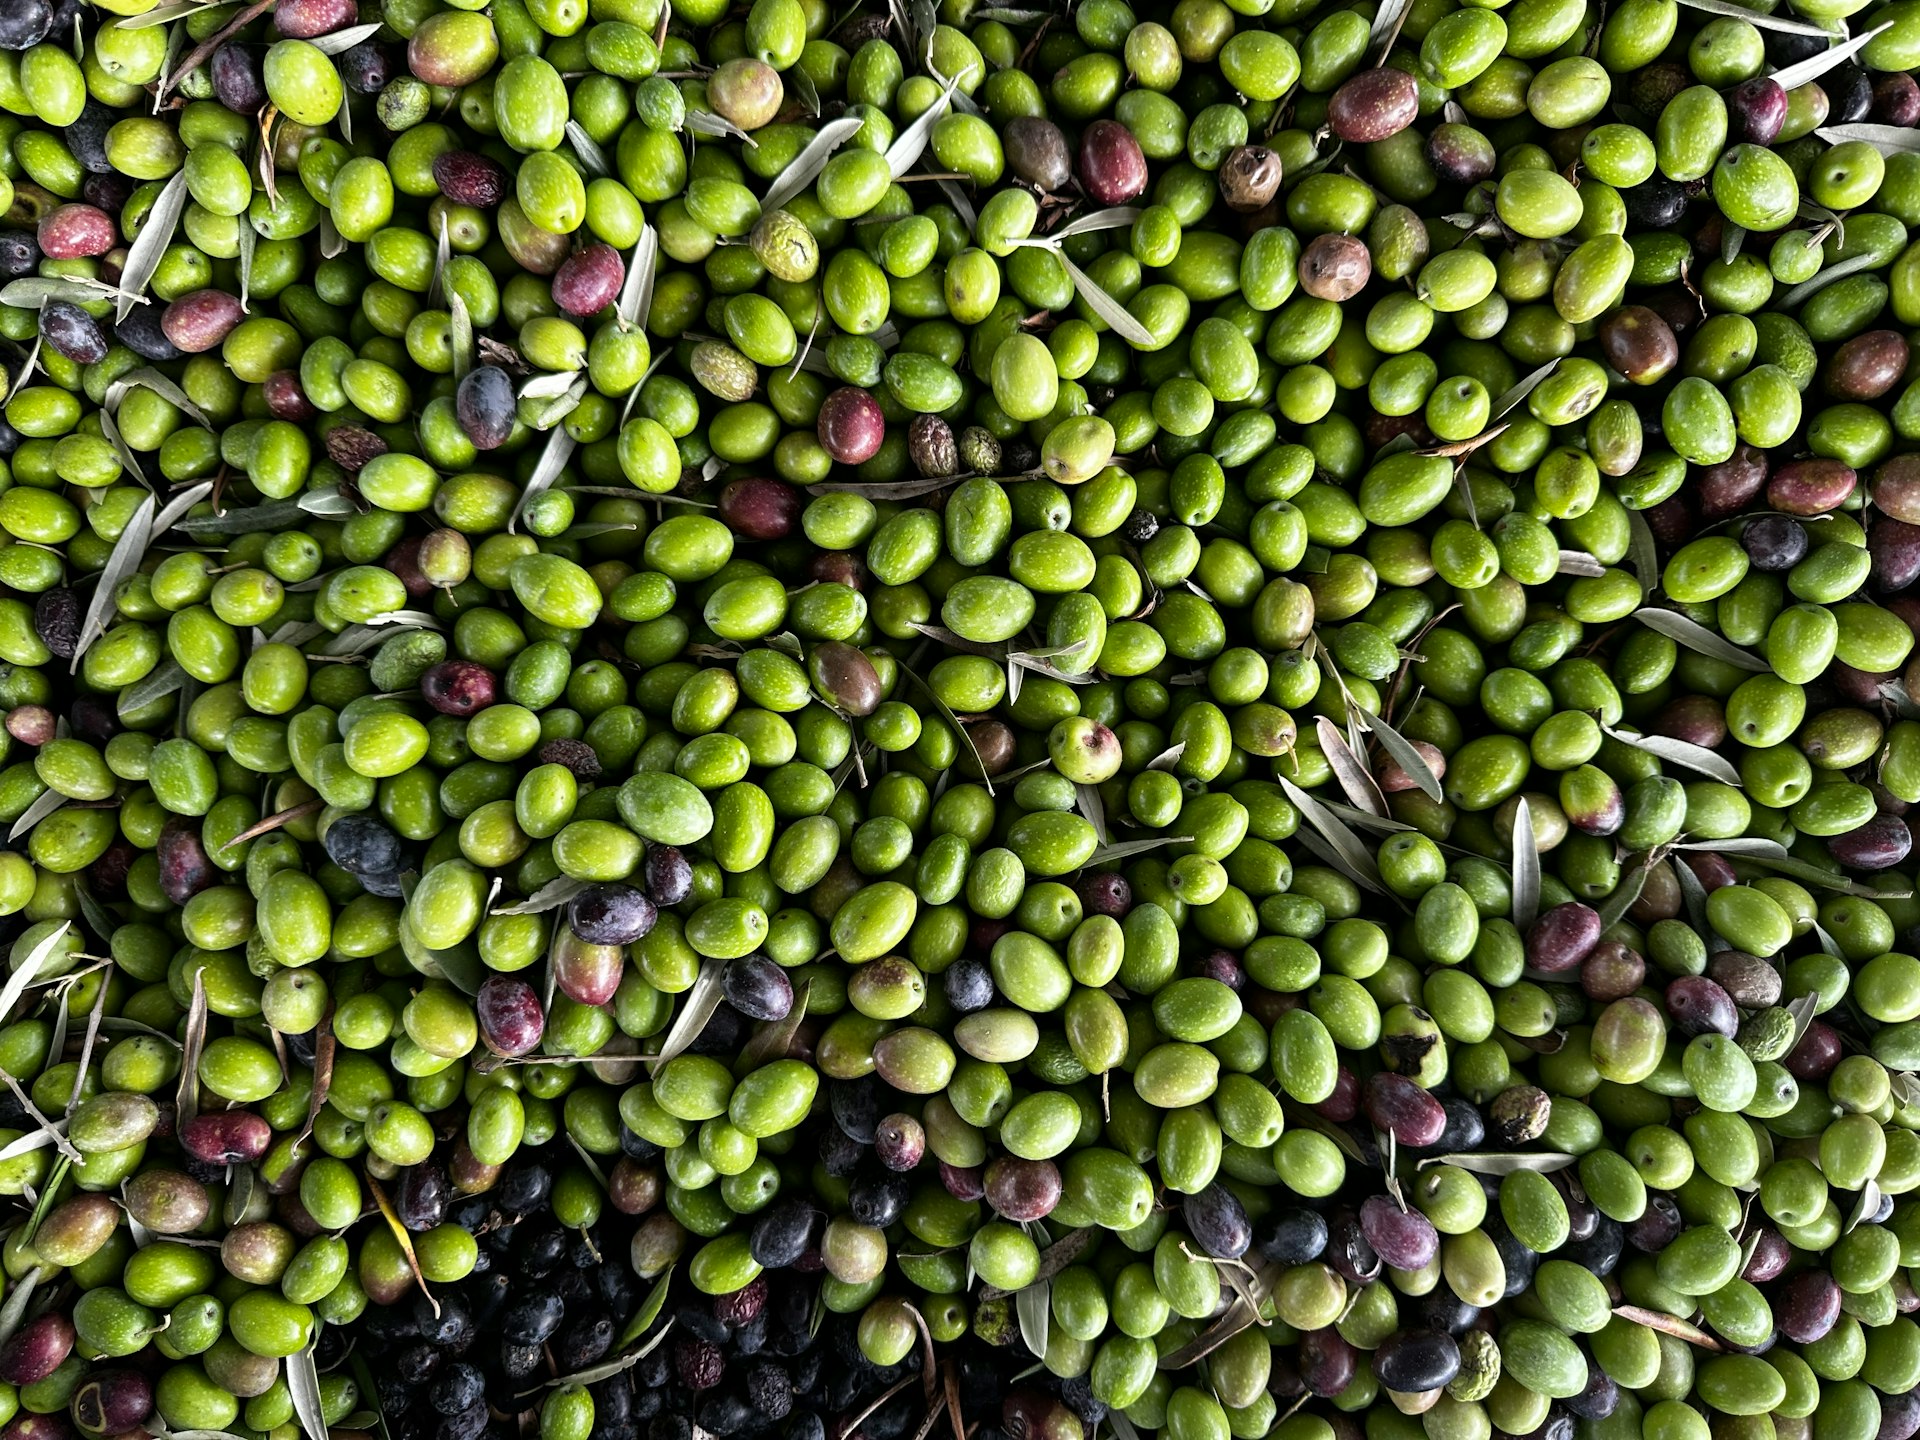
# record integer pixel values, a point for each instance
(1374, 105)
(589, 280)
(469, 179)
(37, 1349)
(1562, 938)
(232, 1137)
(511, 1021)
(458, 687)
(851, 426)
(759, 507)
(1112, 167)
(1756, 109)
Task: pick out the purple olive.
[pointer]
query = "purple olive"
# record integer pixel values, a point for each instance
(899, 1142)
(74, 232)
(484, 404)
(589, 280)
(200, 320)
(238, 80)
(72, 332)
(757, 988)
(1022, 1190)
(1756, 109)
(1811, 487)
(1112, 166)
(851, 426)
(185, 869)
(1562, 938)
(1880, 844)
(1698, 1006)
(233, 1137)
(1807, 1307)
(37, 1349)
(1401, 1108)
(469, 179)
(1374, 105)
(668, 875)
(458, 687)
(511, 1021)
(759, 507)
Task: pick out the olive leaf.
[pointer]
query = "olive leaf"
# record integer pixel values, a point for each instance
(442, 253)
(1126, 848)
(1757, 18)
(1679, 752)
(1401, 751)
(1354, 857)
(1887, 139)
(550, 896)
(400, 1233)
(1481, 1163)
(33, 1140)
(648, 1312)
(1116, 218)
(341, 41)
(1122, 1427)
(1865, 1209)
(167, 14)
(807, 165)
(31, 965)
(1033, 1307)
(1526, 866)
(953, 723)
(1633, 881)
(553, 459)
(327, 504)
(1694, 895)
(1839, 270)
(110, 428)
(25, 372)
(1349, 769)
(1806, 71)
(1579, 562)
(162, 680)
(48, 802)
(588, 149)
(1088, 802)
(460, 335)
(147, 378)
(548, 385)
(1515, 393)
(1169, 757)
(1642, 553)
(705, 122)
(186, 1100)
(636, 291)
(1106, 307)
(303, 1379)
(1697, 637)
(911, 143)
(332, 243)
(958, 199)
(1669, 1325)
(156, 234)
(248, 238)
(1387, 23)
(31, 292)
(1809, 874)
(697, 1007)
(15, 1310)
(257, 519)
(129, 550)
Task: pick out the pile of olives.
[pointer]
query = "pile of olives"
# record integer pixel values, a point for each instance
(1192, 718)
